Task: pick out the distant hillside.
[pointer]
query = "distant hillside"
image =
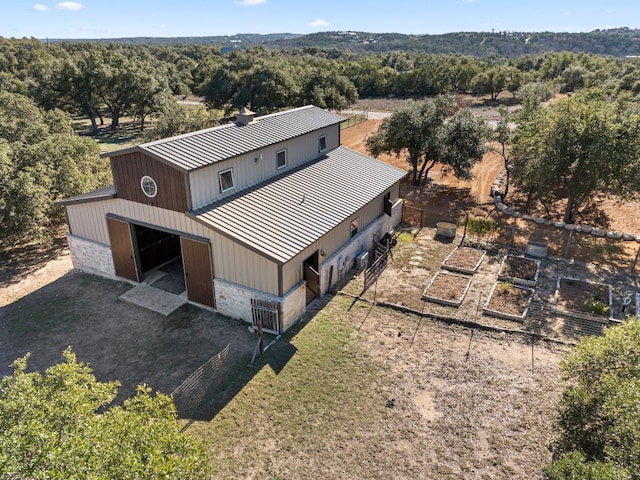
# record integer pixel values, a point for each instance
(616, 42)
(619, 42)
(241, 39)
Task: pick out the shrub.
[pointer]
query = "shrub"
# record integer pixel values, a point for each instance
(598, 419)
(482, 226)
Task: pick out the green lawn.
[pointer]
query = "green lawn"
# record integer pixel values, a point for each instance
(351, 395)
(313, 403)
(125, 136)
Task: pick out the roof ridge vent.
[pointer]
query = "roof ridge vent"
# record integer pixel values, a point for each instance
(244, 116)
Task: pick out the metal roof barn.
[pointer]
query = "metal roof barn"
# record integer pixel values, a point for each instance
(281, 217)
(205, 147)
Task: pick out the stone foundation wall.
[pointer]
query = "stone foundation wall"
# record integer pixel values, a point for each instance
(91, 257)
(235, 301)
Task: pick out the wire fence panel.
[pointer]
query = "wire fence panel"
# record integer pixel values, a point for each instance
(372, 273)
(354, 117)
(193, 392)
(413, 215)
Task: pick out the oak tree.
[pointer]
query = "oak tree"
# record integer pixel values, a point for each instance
(431, 132)
(62, 424)
(577, 146)
(598, 418)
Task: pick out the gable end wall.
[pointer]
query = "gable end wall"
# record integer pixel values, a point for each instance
(127, 171)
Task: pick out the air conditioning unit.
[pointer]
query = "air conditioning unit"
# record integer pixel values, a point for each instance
(362, 260)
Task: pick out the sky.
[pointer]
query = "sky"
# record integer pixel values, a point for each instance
(195, 18)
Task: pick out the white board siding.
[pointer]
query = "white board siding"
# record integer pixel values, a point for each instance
(204, 183)
(231, 261)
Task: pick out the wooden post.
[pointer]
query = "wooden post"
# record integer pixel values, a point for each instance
(418, 325)
(221, 370)
(464, 233)
(566, 248)
(466, 357)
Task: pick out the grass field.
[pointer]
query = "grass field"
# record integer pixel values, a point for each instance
(125, 136)
(369, 393)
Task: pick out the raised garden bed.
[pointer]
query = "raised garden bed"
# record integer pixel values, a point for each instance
(582, 299)
(447, 289)
(464, 260)
(519, 270)
(508, 301)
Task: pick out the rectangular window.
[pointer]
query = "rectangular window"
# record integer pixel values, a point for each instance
(322, 143)
(281, 159)
(226, 180)
(354, 227)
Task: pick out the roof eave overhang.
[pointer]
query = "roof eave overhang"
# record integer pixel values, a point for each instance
(276, 260)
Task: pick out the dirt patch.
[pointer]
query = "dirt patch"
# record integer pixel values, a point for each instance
(509, 299)
(583, 297)
(447, 287)
(56, 307)
(33, 276)
(467, 405)
(518, 269)
(464, 260)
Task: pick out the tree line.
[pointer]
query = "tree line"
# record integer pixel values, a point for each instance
(98, 80)
(617, 42)
(46, 85)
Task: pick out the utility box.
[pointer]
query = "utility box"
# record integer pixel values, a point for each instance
(362, 260)
(535, 249)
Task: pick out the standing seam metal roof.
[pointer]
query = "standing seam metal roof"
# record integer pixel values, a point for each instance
(103, 193)
(202, 148)
(283, 216)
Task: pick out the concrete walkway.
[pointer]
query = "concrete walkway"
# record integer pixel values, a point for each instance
(154, 299)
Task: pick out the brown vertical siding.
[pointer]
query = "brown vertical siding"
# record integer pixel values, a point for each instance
(196, 258)
(127, 171)
(122, 249)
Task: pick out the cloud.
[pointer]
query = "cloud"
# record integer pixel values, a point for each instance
(39, 8)
(468, 1)
(249, 3)
(69, 6)
(318, 23)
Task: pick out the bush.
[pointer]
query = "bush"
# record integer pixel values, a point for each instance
(60, 425)
(482, 226)
(598, 420)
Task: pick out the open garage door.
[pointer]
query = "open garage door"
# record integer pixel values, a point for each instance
(196, 258)
(155, 247)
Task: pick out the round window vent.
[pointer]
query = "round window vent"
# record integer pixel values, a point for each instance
(149, 186)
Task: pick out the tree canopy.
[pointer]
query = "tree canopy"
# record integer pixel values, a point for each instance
(41, 161)
(577, 146)
(598, 421)
(430, 132)
(61, 425)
